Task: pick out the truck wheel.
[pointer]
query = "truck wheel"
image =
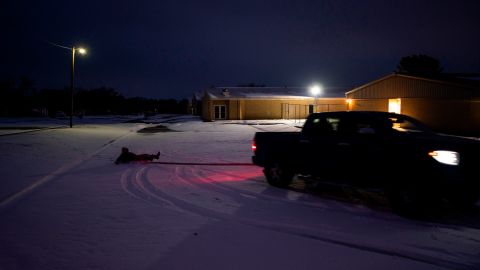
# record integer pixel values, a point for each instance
(403, 200)
(277, 175)
(464, 201)
(409, 200)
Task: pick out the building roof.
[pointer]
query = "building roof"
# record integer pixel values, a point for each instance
(267, 93)
(402, 85)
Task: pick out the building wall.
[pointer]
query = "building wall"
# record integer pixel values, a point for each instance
(235, 109)
(475, 112)
(207, 108)
(290, 108)
(262, 109)
(444, 115)
(369, 105)
(445, 107)
(460, 116)
(402, 86)
(251, 109)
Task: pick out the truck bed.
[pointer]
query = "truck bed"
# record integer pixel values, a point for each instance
(281, 145)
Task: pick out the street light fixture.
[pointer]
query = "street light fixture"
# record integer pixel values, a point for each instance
(72, 77)
(80, 51)
(316, 90)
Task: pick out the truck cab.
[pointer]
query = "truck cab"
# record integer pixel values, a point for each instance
(390, 151)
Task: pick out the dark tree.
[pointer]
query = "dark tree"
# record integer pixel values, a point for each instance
(419, 65)
(16, 98)
(99, 101)
(20, 98)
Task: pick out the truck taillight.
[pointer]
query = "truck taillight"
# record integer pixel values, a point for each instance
(254, 146)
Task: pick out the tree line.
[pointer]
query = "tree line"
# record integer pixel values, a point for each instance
(20, 99)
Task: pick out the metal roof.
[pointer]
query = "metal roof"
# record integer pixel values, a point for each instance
(407, 86)
(267, 93)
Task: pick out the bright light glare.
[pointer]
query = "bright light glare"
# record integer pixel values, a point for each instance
(82, 51)
(446, 157)
(316, 90)
(394, 105)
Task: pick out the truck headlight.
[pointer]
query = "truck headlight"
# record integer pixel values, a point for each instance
(446, 157)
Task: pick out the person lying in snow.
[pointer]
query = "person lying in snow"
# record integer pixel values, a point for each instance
(127, 156)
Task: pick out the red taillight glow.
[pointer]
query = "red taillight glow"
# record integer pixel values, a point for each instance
(254, 146)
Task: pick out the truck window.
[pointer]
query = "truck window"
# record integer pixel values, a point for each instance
(365, 128)
(347, 126)
(405, 125)
(333, 122)
(321, 126)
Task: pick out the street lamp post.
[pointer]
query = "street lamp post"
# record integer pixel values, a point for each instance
(72, 74)
(81, 51)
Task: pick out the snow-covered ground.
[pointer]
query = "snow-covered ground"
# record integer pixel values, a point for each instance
(64, 204)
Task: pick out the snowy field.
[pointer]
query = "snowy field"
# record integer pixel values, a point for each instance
(64, 204)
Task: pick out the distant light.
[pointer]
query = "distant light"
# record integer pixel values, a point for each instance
(316, 90)
(446, 157)
(82, 50)
(254, 146)
(349, 101)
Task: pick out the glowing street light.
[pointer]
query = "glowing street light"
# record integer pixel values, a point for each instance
(80, 51)
(73, 50)
(316, 90)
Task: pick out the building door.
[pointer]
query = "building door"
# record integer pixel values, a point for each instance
(220, 112)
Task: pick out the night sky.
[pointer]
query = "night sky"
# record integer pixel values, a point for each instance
(170, 49)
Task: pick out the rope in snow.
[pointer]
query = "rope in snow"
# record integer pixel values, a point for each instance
(203, 163)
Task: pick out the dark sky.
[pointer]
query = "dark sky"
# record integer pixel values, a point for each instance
(172, 48)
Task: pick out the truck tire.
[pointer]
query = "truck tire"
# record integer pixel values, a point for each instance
(277, 174)
(411, 200)
(403, 199)
(465, 200)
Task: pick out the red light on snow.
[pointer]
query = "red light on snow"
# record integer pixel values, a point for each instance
(230, 175)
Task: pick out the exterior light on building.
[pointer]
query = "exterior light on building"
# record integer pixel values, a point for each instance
(349, 103)
(316, 90)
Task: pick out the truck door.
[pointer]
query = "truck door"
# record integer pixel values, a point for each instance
(340, 146)
(360, 149)
(318, 146)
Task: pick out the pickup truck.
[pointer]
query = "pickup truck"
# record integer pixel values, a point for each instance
(393, 152)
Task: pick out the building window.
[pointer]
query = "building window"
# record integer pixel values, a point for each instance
(394, 105)
(220, 112)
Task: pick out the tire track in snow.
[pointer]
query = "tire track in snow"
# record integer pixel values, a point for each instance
(34, 186)
(300, 231)
(320, 204)
(132, 184)
(135, 184)
(201, 176)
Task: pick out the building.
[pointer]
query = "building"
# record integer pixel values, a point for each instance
(245, 103)
(447, 104)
